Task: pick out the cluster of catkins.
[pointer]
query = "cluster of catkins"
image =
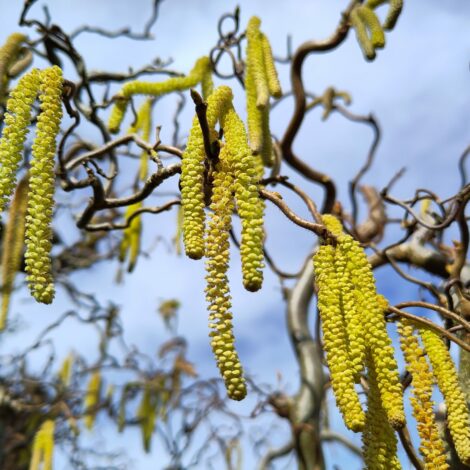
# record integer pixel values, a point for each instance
(445, 375)
(369, 32)
(235, 178)
(47, 84)
(356, 342)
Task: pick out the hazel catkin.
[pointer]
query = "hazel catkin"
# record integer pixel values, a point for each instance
(13, 243)
(42, 186)
(378, 439)
(17, 119)
(250, 206)
(335, 338)
(431, 446)
(458, 416)
(217, 290)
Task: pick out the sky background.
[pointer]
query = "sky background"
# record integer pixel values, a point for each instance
(419, 90)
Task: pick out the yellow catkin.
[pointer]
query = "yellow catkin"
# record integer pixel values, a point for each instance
(369, 331)
(255, 61)
(9, 53)
(147, 414)
(13, 244)
(369, 18)
(250, 206)
(130, 244)
(361, 34)
(458, 416)
(217, 290)
(92, 399)
(378, 439)
(65, 372)
(17, 120)
(43, 447)
(138, 87)
(192, 176)
(395, 8)
(272, 78)
(41, 188)
(431, 448)
(260, 81)
(335, 339)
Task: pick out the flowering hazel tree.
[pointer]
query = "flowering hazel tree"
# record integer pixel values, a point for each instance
(398, 374)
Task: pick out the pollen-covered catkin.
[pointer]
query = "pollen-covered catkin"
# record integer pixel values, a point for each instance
(147, 415)
(43, 447)
(13, 244)
(432, 447)
(335, 339)
(369, 18)
(8, 54)
(192, 175)
(17, 120)
(395, 8)
(274, 85)
(376, 336)
(217, 290)
(92, 398)
(378, 439)
(130, 244)
(369, 332)
(198, 73)
(261, 81)
(41, 188)
(458, 416)
(249, 205)
(361, 34)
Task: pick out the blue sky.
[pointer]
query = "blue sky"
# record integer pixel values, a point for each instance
(418, 88)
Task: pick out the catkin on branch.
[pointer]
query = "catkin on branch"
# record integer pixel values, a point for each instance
(458, 416)
(378, 439)
(13, 244)
(43, 447)
(41, 188)
(198, 73)
(431, 448)
(92, 399)
(217, 290)
(9, 53)
(17, 120)
(335, 339)
(250, 207)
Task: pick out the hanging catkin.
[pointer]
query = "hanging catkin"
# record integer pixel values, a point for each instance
(41, 188)
(432, 447)
(13, 244)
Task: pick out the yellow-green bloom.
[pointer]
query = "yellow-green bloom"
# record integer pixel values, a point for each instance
(199, 73)
(261, 81)
(13, 243)
(130, 244)
(147, 414)
(351, 290)
(458, 417)
(378, 439)
(335, 339)
(192, 175)
(92, 399)
(43, 447)
(217, 290)
(432, 447)
(41, 188)
(395, 7)
(250, 206)
(370, 20)
(9, 53)
(17, 120)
